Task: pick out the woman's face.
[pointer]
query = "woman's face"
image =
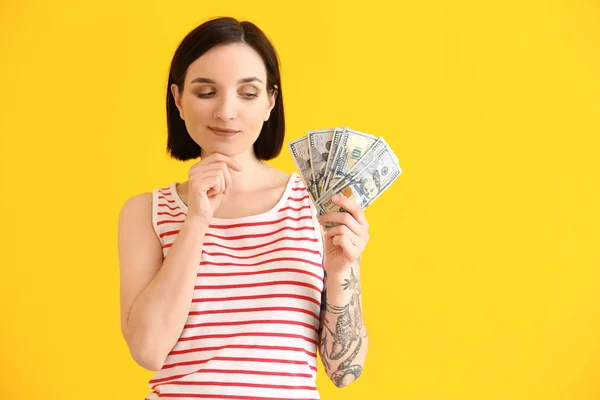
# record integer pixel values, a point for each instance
(228, 82)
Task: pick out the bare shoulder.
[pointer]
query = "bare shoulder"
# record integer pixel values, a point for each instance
(136, 214)
(138, 203)
(135, 221)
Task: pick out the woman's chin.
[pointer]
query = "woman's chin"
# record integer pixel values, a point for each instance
(228, 151)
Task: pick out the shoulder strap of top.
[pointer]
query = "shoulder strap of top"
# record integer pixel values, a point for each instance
(161, 199)
(303, 191)
(318, 228)
(155, 194)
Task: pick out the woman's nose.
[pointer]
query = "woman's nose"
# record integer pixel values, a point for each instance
(226, 109)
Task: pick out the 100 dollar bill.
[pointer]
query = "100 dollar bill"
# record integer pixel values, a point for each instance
(353, 145)
(373, 152)
(301, 155)
(365, 186)
(337, 136)
(320, 143)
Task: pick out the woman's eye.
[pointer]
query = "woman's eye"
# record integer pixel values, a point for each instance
(209, 94)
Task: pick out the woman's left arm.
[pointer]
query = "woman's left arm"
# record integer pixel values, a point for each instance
(343, 339)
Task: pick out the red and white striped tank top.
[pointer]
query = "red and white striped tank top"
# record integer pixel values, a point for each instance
(252, 329)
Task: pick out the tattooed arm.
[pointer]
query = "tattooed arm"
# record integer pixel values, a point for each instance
(343, 336)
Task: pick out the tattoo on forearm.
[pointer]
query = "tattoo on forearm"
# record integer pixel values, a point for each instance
(349, 329)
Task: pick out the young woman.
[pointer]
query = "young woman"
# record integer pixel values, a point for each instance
(229, 283)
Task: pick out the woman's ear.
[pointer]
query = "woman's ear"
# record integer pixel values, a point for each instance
(177, 98)
(272, 99)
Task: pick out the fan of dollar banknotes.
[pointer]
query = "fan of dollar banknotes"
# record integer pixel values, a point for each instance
(342, 161)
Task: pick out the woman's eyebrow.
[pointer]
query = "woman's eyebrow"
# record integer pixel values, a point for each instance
(243, 80)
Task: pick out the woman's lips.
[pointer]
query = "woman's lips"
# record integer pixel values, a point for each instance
(223, 132)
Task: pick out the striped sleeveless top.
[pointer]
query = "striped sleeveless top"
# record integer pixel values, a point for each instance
(251, 332)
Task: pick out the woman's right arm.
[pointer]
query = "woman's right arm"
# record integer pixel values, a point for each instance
(155, 295)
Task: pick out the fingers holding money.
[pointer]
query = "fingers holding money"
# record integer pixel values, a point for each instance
(353, 208)
(351, 252)
(352, 229)
(347, 219)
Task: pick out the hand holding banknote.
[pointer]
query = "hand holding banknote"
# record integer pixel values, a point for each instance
(347, 238)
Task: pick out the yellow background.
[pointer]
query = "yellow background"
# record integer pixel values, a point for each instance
(481, 280)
